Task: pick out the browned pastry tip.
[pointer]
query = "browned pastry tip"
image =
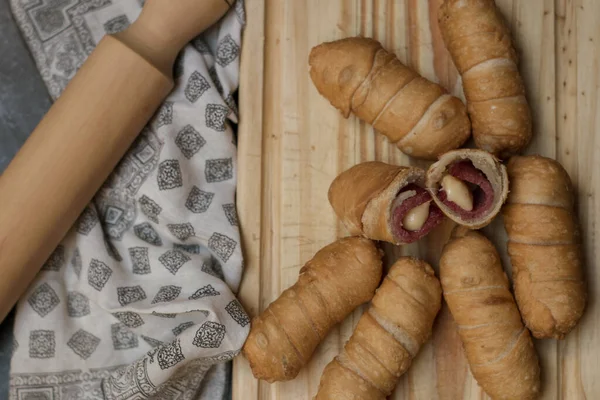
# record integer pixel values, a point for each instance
(339, 80)
(340, 277)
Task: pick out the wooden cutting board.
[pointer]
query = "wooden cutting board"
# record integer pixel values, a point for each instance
(292, 144)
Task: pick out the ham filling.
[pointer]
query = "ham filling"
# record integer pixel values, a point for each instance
(482, 191)
(409, 198)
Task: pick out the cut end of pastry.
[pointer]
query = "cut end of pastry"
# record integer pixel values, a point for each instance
(413, 214)
(354, 189)
(269, 352)
(399, 214)
(469, 186)
(535, 179)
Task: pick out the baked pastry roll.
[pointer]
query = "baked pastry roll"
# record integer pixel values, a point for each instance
(544, 246)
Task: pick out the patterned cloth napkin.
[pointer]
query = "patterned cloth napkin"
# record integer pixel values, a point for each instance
(138, 300)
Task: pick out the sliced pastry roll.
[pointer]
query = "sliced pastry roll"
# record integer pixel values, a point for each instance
(469, 186)
(384, 202)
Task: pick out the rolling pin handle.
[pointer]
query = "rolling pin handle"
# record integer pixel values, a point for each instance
(165, 27)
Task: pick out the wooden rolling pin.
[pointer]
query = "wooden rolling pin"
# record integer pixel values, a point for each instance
(86, 132)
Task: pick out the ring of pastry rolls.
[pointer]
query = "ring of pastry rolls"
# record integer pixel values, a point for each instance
(469, 186)
(384, 202)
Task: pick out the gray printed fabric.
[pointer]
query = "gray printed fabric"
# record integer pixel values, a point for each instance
(137, 302)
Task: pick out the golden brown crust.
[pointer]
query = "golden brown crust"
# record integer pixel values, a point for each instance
(479, 42)
(339, 278)
(539, 180)
(501, 126)
(392, 97)
(470, 51)
(316, 309)
(344, 384)
(410, 298)
(474, 31)
(540, 225)
(382, 345)
(482, 16)
(430, 137)
(509, 382)
(544, 277)
(497, 345)
(337, 81)
(397, 119)
(285, 312)
(387, 337)
(543, 245)
(483, 82)
(356, 356)
(492, 168)
(362, 197)
(270, 353)
(379, 87)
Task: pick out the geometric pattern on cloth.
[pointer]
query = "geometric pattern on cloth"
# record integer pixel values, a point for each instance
(138, 300)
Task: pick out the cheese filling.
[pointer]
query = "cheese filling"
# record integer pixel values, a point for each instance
(413, 214)
(458, 192)
(416, 217)
(466, 191)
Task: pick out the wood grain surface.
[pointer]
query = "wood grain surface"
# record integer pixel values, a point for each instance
(292, 144)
